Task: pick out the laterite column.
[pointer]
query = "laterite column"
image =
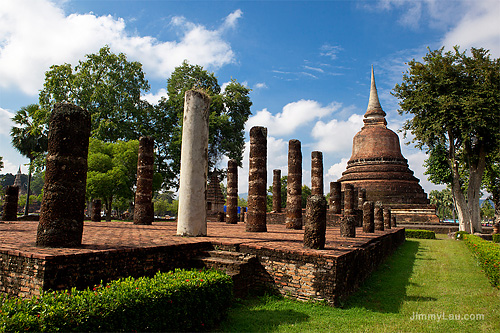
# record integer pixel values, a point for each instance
(95, 215)
(348, 199)
(387, 218)
(294, 186)
(335, 198)
(315, 224)
(10, 203)
(143, 209)
(317, 173)
(277, 191)
(378, 216)
(232, 192)
(257, 181)
(368, 222)
(63, 203)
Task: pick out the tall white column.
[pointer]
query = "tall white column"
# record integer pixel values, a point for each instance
(192, 214)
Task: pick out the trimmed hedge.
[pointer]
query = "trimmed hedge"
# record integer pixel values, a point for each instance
(184, 300)
(496, 238)
(488, 255)
(425, 234)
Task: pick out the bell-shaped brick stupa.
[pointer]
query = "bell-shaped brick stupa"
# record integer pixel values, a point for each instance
(377, 165)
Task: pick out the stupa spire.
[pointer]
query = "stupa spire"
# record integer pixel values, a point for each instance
(374, 109)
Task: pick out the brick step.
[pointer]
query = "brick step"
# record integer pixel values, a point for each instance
(240, 266)
(232, 255)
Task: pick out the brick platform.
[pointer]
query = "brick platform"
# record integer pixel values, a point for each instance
(118, 249)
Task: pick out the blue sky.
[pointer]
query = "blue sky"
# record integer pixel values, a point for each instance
(307, 62)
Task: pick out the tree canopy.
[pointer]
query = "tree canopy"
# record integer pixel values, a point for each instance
(229, 110)
(112, 169)
(29, 137)
(454, 102)
(108, 86)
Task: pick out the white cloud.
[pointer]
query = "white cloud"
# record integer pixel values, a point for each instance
(316, 69)
(155, 98)
(37, 34)
(5, 122)
(330, 51)
(335, 171)
(416, 163)
(479, 27)
(231, 19)
(260, 85)
(293, 116)
(332, 136)
(9, 167)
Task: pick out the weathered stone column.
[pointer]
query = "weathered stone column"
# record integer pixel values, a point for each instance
(378, 216)
(294, 186)
(10, 203)
(348, 199)
(315, 224)
(63, 203)
(257, 181)
(387, 218)
(95, 215)
(277, 191)
(242, 214)
(368, 222)
(317, 173)
(143, 210)
(232, 192)
(335, 198)
(192, 214)
(348, 226)
(361, 198)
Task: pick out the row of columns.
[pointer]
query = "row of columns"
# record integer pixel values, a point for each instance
(61, 219)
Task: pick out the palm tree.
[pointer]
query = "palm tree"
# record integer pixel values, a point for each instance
(29, 138)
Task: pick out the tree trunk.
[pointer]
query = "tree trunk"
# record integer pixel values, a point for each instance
(27, 206)
(108, 203)
(474, 194)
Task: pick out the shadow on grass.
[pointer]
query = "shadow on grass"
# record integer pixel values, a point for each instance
(247, 319)
(385, 289)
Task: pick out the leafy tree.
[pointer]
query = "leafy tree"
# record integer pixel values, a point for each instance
(242, 202)
(29, 137)
(444, 203)
(164, 203)
(229, 110)
(306, 192)
(109, 87)
(487, 211)
(455, 103)
(491, 181)
(37, 182)
(112, 171)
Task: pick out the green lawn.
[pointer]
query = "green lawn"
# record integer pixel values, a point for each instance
(423, 281)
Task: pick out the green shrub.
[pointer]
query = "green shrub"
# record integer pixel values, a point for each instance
(488, 255)
(496, 238)
(426, 234)
(174, 301)
(459, 235)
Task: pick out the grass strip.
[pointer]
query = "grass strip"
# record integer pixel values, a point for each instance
(425, 286)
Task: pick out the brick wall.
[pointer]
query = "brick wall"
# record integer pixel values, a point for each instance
(300, 274)
(313, 276)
